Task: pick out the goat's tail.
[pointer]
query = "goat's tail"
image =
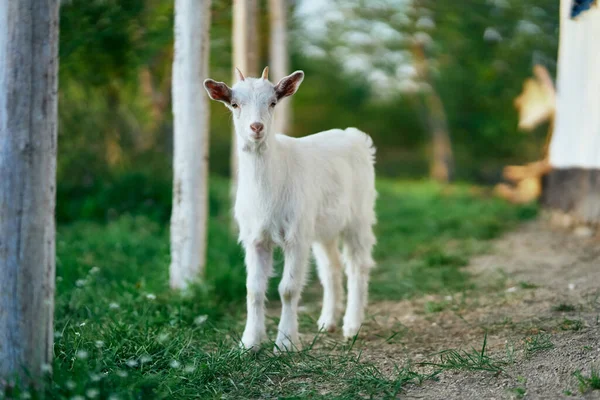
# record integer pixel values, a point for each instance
(366, 139)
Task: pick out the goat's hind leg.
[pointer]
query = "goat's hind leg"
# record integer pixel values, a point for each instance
(358, 261)
(329, 269)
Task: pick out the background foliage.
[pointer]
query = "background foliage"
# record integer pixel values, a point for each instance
(115, 92)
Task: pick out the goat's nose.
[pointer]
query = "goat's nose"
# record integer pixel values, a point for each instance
(257, 127)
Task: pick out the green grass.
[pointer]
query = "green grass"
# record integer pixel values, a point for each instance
(571, 325)
(536, 343)
(120, 331)
(527, 285)
(563, 307)
(591, 382)
(468, 360)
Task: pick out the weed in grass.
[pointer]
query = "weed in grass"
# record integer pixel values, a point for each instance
(435, 306)
(564, 307)
(518, 392)
(571, 324)
(527, 285)
(473, 360)
(537, 343)
(591, 382)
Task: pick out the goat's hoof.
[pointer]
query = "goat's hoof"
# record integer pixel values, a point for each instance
(253, 348)
(326, 325)
(285, 345)
(350, 331)
(251, 343)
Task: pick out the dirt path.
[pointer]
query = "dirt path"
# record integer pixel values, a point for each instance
(538, 299)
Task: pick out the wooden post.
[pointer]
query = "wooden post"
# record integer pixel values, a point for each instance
(573, 186)
(28, 123)
(189, 217)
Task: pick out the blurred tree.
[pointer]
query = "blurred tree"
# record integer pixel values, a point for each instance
(279, 58)
(441, 164)
(28, 129)
(479, 52)
(190, 156)
(574, 184)
(245, 57)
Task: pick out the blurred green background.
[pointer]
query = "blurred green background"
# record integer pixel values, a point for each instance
(115, 136)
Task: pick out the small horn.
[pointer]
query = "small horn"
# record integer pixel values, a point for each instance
(239, 74)
(265, 74)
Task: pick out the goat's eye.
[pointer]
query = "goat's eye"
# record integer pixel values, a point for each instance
(234, 105)
(273, 104)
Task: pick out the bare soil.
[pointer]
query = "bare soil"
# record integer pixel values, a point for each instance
(539, 280)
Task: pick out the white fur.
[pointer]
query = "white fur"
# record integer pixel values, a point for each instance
(298, 193)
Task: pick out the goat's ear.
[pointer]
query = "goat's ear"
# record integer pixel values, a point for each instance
(218, 91)
(289, 85)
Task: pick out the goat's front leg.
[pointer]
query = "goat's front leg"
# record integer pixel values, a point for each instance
(259, 266)
(290, 289)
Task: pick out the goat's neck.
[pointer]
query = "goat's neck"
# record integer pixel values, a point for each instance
(260, 167)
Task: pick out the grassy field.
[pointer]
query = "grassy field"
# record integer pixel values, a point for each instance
(120, 333)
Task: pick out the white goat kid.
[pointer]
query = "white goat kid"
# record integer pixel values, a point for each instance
(298, 193)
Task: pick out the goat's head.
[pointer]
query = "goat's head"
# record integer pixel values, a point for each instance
(252, 101)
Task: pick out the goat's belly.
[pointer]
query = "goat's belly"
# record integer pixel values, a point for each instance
(328, 227)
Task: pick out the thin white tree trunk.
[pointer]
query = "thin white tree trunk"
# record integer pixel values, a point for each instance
(28, 123)
(279, 60)
(190, 155)
(245, 57)
(576, 138)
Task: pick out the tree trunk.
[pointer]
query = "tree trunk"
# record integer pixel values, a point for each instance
(28, 123)
(573, 186)
(442, 161)
(190, 153)
(245, 57)
(279, 55)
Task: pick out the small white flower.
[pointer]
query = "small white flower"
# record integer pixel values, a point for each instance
(113, 306)
(95, 377)
(47, 368)
(70, 385)
(448, 298)
(145, 359)
(492, 35)
(92, 393)
(199, 320)
(511, 289)
(99, 344)
(175, 364)
(122, 374)
(77, 334)
(132, 363)
(162, 337)
(151, 296)
(189, 369)
(80, 282)
(82, 324)
(81, 354)
(94, 270)
(571, 286)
